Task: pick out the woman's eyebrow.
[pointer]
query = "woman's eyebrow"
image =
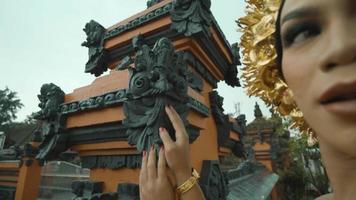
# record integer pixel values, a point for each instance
(300, 13)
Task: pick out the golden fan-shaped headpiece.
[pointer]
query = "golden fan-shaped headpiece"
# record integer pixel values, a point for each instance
(259, 57)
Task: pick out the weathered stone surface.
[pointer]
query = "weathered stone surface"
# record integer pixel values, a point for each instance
(190, 17)
(128, 191)
(53, 123)
(213, 182)
(159, 78)
(95, 42)
(112, 162)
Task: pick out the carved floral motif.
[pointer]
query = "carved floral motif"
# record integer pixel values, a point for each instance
(158, 78)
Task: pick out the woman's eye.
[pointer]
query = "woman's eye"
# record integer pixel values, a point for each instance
(300, 33)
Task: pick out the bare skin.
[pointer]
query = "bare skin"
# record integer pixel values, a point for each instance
(154, 181)
(319, 66)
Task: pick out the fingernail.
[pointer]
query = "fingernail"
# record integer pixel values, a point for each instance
(144, 153)
(162, 147)
(160, 129)
(151, 147)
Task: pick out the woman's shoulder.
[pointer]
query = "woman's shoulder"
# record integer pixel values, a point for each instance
(326, 197)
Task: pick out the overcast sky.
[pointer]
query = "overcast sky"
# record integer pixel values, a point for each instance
(40, 42)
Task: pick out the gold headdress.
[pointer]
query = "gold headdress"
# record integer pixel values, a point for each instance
(260, 73)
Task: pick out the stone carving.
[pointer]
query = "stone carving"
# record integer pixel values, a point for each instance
(199, 68)
(159, 78)
(198, 106)
(222, 121)
(242, 122)
(95, 42)
(128, 191)
(54, 141)
(50, 98)
(12, 153)
(117, 98)
(257, 111)
(7, 193)
(238, 150)
(78, 190)
(29, 150)
(236, 53)
(112, 162)
(139, 21)
(190, 17)
(97, 102)
(213, 182)
(152, 2)
(195, 81)
(86, 190)
(231, 72)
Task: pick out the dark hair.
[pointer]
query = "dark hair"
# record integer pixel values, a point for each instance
(278, 40)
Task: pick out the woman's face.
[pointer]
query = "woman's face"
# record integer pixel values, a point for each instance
(319, 65)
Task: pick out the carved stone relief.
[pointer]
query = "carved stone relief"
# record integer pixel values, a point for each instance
(191, 16)
(95, 42)
(158, 78)
(53, 123)
(213, 182)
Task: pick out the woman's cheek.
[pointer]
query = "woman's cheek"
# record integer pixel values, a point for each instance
(299, 78)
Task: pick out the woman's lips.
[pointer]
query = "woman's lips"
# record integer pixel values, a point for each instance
(340, 98)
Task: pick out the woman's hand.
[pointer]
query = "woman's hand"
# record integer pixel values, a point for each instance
(177, 152)
(154, 182)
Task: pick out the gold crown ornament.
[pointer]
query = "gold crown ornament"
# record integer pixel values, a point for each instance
(260, 72)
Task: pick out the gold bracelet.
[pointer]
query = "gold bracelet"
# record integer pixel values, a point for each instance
(188, 184)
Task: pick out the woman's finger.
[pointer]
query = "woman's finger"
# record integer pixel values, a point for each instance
(166, 138)
(151, 164)
(162, 164)
(181, 133)
(143, 172)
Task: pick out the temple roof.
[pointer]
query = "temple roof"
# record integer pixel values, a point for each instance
(256, 186)
(250, 180)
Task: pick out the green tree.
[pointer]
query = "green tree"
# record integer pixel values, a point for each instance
(9, 105)
(299, 164)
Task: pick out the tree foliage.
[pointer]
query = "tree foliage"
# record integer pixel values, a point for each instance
(306, 177)
(299, 164)
(9, 105)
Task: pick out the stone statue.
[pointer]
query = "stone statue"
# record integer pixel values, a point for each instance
(258, 112)
(241, 120)
(95, 42)
(158, 78)
(51, 98)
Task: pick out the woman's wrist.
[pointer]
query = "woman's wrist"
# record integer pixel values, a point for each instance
(183, 175)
